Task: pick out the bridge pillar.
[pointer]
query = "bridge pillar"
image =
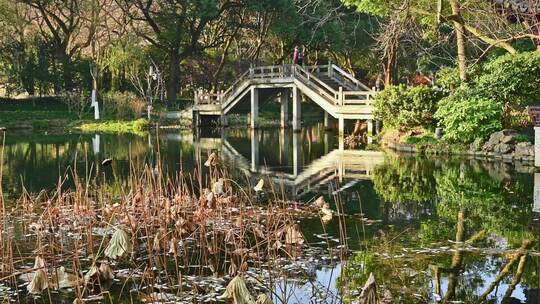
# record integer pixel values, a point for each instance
(341, 136)
(327, 124)
(284, 99)
(284, 147)
(195, 119)
(296, 154)
(296, 122)
(254, 150)
(370, 131)
(254, 117)
(224, 121)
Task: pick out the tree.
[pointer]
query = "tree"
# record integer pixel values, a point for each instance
(64, 25)
(175, 28)
(480, 20)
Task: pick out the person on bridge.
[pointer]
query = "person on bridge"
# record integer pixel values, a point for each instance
(295, 55)
(301, 56)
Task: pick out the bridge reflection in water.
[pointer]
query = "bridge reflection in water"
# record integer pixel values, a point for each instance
(303, 162)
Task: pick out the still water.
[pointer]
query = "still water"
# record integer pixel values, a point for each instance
(430, 229)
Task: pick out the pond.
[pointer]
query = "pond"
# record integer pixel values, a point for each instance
(429, 229)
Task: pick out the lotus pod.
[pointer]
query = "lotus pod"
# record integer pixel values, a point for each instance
(263, 299)
(237, 290)
(259, 186)
(39, 282)
(118, 245)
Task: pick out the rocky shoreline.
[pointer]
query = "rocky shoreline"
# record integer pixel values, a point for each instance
(504, 145)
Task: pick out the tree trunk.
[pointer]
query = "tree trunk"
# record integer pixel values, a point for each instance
(389, 70)
(460, 39)
(174, 71)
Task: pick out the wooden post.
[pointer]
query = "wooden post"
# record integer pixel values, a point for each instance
(340, 96)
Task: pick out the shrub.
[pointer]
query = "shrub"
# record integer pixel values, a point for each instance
(448, 78)
(512, 78)
(466, 115)
(123, 105)
(423, 139)
(406, 107)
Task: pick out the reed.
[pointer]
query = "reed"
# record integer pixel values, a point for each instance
(169, 237)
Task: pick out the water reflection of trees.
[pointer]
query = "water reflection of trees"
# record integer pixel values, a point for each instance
(476, 205)
(37, 161)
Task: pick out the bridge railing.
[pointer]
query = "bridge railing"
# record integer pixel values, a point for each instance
(357, 97)
(347, 78)
(204, 97)
(315, 83)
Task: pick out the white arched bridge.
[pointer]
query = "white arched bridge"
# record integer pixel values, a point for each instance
(337, 92)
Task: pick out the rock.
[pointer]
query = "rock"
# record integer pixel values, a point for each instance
(506, 136)
(524, 149)
(476, 144)
(503, 148)
(493, 140)
(508, 139)
(507, 158)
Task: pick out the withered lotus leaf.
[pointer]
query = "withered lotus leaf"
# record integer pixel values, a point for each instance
(237, 291)
(118, 245)
(263, 299)
(38, 283)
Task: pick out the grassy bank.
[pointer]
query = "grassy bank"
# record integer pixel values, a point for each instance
(138, 126)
